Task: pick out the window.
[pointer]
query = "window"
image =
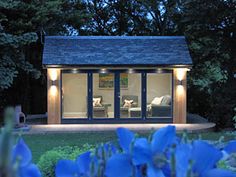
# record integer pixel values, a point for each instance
(103, 95)
(159, 95)
(130, 95)
(74, 95)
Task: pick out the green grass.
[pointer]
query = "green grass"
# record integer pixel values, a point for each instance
(40, 143)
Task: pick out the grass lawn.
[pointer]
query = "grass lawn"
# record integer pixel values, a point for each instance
(40, 143)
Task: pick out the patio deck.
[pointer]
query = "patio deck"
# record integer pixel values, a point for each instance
(73, 128)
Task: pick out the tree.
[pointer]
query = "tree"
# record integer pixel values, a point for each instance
(210, 29)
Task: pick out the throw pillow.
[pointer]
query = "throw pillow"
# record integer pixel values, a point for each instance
(97, 102)
(157, 100)
(166, 100)
(128, 103)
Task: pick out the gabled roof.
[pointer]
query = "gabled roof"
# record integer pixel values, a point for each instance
(115, 51)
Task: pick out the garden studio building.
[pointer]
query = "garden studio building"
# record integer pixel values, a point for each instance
(116, 79)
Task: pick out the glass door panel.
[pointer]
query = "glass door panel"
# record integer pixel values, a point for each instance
(103, 95)
(159, 95)
(74, 95)
(130, 95)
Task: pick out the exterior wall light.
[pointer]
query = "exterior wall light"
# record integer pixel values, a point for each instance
(53, 77)
(53, 82)
(74, 71)
(130, 70)
(103, 70)
(180, 82)
(159, 70)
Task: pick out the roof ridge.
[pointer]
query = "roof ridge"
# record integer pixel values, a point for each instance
(115, 37)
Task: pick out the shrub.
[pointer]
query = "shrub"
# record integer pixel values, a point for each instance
(49, 159)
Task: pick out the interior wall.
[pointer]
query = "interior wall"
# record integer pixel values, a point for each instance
(158, 85)
(75, 89)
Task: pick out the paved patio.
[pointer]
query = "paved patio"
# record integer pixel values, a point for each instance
(73, 128)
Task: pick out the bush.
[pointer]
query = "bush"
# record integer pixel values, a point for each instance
(49, 159)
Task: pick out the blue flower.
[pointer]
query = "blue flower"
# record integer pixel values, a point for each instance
(125, 137)
(119, 165)
(22, 157)
(164, 155)
(182, 159)
(83, 162)
(163, 138)
(142, 152)
(204, 156)
(69, 168)
(230, 147)
(21, 153)
(219, 173)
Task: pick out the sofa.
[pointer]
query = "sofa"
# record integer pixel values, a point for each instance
(163, 109)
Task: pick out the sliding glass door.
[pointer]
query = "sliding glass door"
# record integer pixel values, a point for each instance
(116, 95)
(130, 95)
(159, 95)
(74, 95)
(103, 95)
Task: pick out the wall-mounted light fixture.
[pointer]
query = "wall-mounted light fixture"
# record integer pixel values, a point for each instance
(180, 82)
(159, 70)
(53, 76)
(131, 70)
(53, 82)
(74, 71)
(180, 77)
(103, 70)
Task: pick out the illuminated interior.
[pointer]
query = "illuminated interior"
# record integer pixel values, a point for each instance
(128, 102)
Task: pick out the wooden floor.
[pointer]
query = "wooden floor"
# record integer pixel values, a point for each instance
(72, 128)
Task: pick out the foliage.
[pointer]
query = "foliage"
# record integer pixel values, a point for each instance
(21, 21)
(49, 159)
(15, 160)
(234, 117)
(163, 154)
(209, 27)
(12, 57)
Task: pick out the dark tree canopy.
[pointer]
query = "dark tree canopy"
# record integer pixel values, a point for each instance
(209, 26)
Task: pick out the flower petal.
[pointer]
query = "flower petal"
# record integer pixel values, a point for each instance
(119, 165)
(219, 173)
(22, 152)
(163, 138)
(66, 168)
(83, 162)
(230, 147)
(182, 157)
(141, 151)
(154, 172)
(30, 171)
(204, 156)
(125, 138)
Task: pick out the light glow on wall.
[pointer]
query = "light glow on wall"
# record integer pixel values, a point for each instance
(53, 90)
(181, 72)
(180, 90)
(53, 74)
(181, 76)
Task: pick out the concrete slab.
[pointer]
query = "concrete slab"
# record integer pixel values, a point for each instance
(73, 128)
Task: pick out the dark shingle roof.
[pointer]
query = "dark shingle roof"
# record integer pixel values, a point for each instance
(116, 51)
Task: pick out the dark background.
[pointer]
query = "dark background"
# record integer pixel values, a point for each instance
(209, 27)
